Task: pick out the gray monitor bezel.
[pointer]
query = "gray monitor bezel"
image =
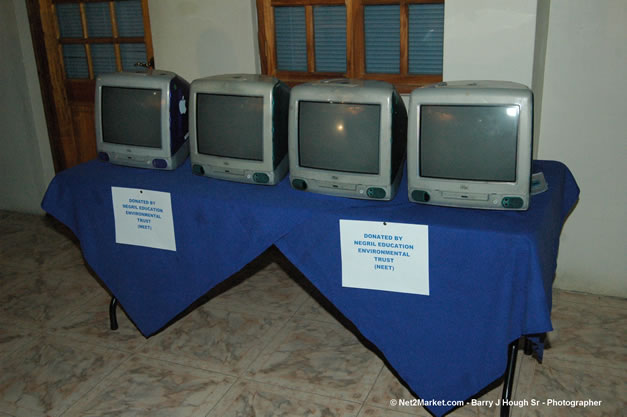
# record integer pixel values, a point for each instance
(470, 193)
(340, 183)
(236, 169)
(138, 156)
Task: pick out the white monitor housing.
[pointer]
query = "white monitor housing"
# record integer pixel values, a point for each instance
(470, 145)
(238, 128)
(141, 119)
(347, 138)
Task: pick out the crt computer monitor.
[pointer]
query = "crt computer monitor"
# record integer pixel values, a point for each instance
(470, 145)
(347, 138)
(238, 128)
(141, 119)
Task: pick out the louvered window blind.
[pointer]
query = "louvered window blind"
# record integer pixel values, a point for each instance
(128, 14)
(98, 20)
(103, 58)
(382, 29)
(330, 38)
(102, 36)
(70, 25)
(75, 60)
(426, 38)
(132, 53)
(400, 42)
(291, 38)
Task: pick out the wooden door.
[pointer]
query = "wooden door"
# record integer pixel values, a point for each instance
(74, 41)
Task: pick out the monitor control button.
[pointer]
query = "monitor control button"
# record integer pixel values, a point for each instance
(261, 178)
(419, 195)
(512, 202)
(159, 163)
(375, 192)
(299, 184)
(198, 169)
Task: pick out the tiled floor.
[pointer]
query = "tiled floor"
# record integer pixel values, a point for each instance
(263, 348)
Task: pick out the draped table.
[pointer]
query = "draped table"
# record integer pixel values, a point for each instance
(490, 272)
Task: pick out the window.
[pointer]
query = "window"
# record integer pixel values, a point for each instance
(96, 37)
(398, 41)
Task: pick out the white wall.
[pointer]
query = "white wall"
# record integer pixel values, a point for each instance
(489, 40)
(584, 125)
(571, 52)
(199, 38)
(539, 61)
(25, 160)
(574, 55)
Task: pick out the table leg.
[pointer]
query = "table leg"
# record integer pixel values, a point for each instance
(528, 347)
(113, 319)
(508, 383)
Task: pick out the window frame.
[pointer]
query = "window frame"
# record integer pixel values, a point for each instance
(115, 39)
(355, 43)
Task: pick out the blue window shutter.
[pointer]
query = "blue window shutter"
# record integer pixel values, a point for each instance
(103, 58)
(132, 53)
(98, 20)
(69, 16)
(426, 38)
(382, 31)
(330, 38)
(130, 18)
(75, 61)
(291, 38)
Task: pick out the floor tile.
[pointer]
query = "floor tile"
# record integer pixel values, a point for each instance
(588, 333)
(562, 296)
(489, 403)
(143, 387)
(11, 339)
(30, 243)
(567, 382)
(311, 309)
(90, 323)
(49, 374)
(387, 387)
(370, 411)
(523, 377)
(318, 357)
(43, 297)
(269, 290)
(387, 390)
(249, 398)
(526, 368)
(265, 347)
(214, 339)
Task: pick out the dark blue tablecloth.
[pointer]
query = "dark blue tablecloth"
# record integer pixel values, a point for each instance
(491, 272)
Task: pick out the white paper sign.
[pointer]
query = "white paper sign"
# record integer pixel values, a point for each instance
(385, 256)
(143, 218)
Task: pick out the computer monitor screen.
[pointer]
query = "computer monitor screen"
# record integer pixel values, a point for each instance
(131, 116)
(238, 128)
(469, 142)
(141, 119)
(339, 136)
(230, 126)
(347, 138)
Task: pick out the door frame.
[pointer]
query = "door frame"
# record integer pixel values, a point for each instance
(55, 103)
(64, 144)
